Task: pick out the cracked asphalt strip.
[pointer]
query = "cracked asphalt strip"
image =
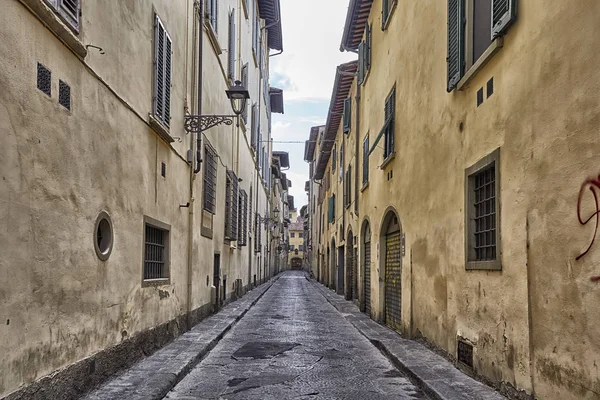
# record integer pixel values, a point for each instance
(293, 344)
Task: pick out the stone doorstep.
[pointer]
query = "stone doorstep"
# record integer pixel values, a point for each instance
(154, 376)
(438, 378)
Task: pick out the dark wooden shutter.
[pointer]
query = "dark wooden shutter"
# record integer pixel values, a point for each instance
(361, 64)
(331, 209)
(231, 206)
(162, 73)
(347, 114)
(367, 48)
(231, 51)
(69, 10)
(210, 179)
(504, 13)
(253, 126)
(243, 219)
(384, 12)
(365, 177)
(455, 58)
(245, 84)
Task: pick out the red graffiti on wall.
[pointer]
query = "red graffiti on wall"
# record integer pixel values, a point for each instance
(593, 184)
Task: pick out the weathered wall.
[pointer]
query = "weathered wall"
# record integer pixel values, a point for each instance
(61, 168)
(532, 323)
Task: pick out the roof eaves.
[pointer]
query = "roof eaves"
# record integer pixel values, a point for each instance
(356, 20)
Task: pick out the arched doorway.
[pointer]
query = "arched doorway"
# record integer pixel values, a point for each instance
(366, 267)
(391, 234)
(350, 273)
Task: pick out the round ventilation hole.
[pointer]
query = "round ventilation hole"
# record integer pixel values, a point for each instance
(103, 236)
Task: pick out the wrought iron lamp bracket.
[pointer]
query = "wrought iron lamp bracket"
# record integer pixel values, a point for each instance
(200, 123)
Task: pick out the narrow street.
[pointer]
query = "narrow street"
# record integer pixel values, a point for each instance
(293, 344)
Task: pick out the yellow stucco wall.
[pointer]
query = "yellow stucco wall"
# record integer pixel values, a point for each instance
(532, 324)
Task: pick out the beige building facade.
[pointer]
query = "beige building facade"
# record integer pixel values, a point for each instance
(470, 129)
(120, 226)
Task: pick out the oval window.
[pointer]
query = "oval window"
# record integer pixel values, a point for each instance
(103, 236)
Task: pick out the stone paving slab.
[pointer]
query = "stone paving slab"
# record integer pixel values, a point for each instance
(439, 378)
(154, 376)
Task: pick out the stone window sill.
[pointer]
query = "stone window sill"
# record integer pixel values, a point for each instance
(160, 129)
(53, 22)
(155, 282)
(480, 63)
(364, 186)
(388, 160)
(494, 265)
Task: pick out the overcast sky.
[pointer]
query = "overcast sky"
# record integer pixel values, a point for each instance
(312, 32)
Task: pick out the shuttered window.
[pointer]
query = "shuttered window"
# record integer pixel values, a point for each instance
(342, 162)
(256, 33)
(365, 165)
(488, 19)
(348, 187)
(212, 13)
(258, 240)
(390, 110)
(210, 179)
(231, 50)
(364, 55)
(386, 10)
(254, 127)
(245, 84)
(347, 114)
(243, 219)
(331, 209)
(250, 211)
(334, 159)
(162, 73)
(231, 206)
(68, 10)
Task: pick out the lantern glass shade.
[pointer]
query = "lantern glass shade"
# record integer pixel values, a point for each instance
(276, 212)
(238, 95)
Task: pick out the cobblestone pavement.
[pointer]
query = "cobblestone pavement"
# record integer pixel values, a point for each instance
(293, 344)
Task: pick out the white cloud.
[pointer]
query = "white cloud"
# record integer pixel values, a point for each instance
(312, 32)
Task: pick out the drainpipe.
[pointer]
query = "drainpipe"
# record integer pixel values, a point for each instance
(200, 82)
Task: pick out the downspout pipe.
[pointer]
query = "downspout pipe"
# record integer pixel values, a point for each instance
(200, 82)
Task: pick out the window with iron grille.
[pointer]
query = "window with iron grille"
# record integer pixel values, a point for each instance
(64, 95)
(212, 13)
(156, 251)
(210, 179)
(465, 353)
(68, 10)
(243, 226)
(162, 73)
(258, 234)
(44, 79)
(483, 214)
(231, 49)
(231, 206)
(365, 165)
(390, 110)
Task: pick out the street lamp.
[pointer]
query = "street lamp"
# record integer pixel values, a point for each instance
(273, 219)
(238, 96)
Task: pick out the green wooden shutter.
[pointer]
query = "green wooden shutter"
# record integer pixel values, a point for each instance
(367, 48)
(455, 58)
(384, 13)
(361, 63)
(347, 114)
(504, 13)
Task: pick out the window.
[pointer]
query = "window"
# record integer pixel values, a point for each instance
(300, 234)
(254, 127)
(231, 206)
(482, 214)
(342, 162)
(243, 219)
(256, 34)
(388, 127)
(334, 159)
(68, 10)
(212, 13)
(44, 79)
(331, 209)
(250, 211)
(258, 233)
(245, 84)
(292, 234)
(292, 247)
(231, 49)
(364, 55)
(347, 114)
(156, 250)
(473, 25)
(365, 170)
(386, 10)
(210, 179)
(162, 73)
(64, 95)
(348, 187)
